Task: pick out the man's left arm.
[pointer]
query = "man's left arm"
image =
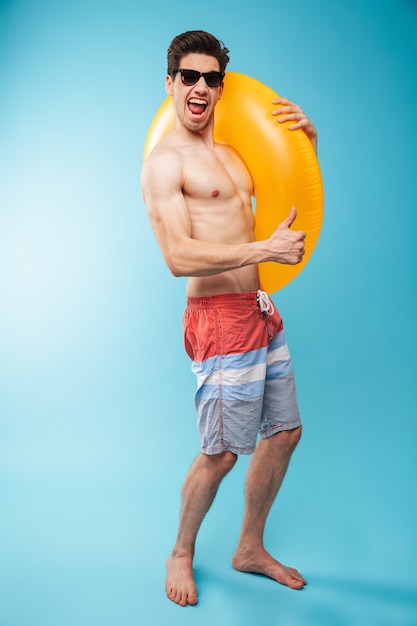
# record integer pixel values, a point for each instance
(290, 112)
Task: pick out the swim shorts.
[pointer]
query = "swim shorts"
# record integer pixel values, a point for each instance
(245, 379)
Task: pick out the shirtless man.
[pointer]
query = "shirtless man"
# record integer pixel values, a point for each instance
(198, 196)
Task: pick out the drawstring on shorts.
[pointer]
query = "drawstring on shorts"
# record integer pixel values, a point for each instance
(265, 303)
(266, 307)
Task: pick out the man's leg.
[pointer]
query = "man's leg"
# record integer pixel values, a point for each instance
(198, 492)
(265, 474)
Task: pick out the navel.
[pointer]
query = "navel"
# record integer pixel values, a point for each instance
(215, 193)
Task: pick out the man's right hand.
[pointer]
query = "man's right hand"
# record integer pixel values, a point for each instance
(287, 246)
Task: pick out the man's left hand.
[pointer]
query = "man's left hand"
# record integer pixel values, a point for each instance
(288, 112)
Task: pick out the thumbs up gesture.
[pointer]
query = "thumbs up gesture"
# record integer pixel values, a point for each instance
(286, 245)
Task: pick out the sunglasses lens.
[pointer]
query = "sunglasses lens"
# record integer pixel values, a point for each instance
(213, 79)
(189, 77)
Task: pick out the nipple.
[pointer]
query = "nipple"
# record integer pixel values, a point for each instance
(215, 193)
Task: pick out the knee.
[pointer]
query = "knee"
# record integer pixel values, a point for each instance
(290, 438)
(228, 460)
(217, 465)
(221, 464)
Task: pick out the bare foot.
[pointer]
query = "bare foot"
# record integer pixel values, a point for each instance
(263, 563)
(180, 584)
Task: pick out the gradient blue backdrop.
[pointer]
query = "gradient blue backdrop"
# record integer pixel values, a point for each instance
(97, 424)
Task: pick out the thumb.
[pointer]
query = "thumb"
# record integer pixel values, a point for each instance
(287, 223)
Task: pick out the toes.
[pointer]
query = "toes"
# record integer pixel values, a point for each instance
(297, 576)
(173, 595)
(295, 579)
(192, 599)
(182, 598)
(297, 584)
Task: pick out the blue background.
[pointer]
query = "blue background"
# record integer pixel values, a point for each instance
(97, 423)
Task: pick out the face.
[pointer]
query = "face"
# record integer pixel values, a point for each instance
(195, 104)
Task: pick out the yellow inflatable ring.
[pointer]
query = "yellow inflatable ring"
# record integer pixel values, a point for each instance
(282, 163)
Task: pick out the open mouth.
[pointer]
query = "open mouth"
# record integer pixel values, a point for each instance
(197, 106)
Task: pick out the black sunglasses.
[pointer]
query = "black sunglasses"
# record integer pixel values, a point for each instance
(191, 77)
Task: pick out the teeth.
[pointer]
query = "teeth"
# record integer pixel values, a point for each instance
(197, 101)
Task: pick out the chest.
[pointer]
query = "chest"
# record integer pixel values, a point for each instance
(216, 175)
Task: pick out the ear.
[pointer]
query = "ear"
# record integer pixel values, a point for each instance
(169, 80)
(221, 90)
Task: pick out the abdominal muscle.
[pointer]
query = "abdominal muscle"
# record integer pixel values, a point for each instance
(233, 227)
(233, 281)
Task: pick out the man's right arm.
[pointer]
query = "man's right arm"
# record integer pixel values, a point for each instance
(162, 182)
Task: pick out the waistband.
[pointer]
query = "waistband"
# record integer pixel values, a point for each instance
(224, 300)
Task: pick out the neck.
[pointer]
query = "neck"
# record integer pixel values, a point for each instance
(205, 134)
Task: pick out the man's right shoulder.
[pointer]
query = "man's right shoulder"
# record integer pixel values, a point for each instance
(164, 152)
(163, 165)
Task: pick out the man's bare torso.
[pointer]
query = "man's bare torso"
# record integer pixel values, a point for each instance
(217, 189)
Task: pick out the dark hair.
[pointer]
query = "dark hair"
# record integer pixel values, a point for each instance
(196, 41)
